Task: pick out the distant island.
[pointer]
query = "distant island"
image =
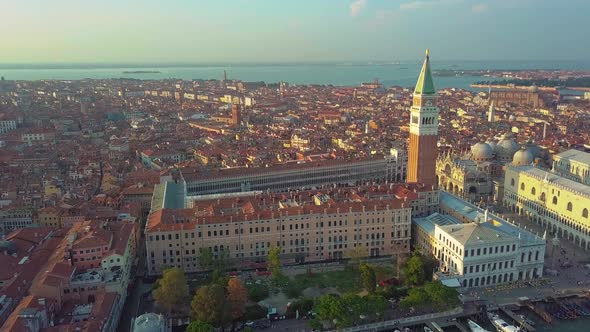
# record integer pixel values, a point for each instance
(570, 82)
(460, 72)
(141, 72)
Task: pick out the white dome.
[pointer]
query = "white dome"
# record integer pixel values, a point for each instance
(149, 322)
(482, 151)
(492, 144)
(522, 157)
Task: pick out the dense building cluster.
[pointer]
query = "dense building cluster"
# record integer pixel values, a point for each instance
(307, 226)
(96, 175)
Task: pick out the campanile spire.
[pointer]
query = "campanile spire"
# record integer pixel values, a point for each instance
(422, 151)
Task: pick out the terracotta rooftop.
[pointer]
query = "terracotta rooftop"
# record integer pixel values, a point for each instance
(93, 238)
(276, 205)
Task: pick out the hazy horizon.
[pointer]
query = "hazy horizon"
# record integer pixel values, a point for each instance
(309, 62)
(291, 31)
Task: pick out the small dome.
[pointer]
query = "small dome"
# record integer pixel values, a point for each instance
(533, 88)
(506, 147)
(522, 157)
(533, 148)
(482, 151)
(149, 322)
(493, 144)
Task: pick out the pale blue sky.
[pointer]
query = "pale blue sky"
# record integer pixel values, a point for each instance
(291, 30)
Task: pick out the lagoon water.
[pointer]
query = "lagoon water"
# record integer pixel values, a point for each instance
(578, 325)
(398, 73)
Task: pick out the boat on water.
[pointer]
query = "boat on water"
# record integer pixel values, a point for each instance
(526, 320)
(501, 324)
(475, 327)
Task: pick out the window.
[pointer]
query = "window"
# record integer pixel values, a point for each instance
(533, 191)
(512, 182)
(522, 186)
(585, 213)
(570, 206)
(554, 200)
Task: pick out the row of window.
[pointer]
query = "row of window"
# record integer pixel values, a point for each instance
(554, 200)
(82, 289)
(490, 250)
(87, 251)
(252, 230)
(490, 267)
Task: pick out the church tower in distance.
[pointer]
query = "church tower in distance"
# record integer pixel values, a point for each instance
(422, 151)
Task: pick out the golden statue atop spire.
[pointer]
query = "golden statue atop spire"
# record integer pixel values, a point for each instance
(427, 52)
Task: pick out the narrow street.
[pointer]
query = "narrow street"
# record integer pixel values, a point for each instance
(130, 310)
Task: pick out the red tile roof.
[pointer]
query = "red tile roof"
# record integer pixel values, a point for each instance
(266, 206)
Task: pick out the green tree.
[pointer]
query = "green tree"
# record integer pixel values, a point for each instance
(368, 277)
(316, 324)
(348, 309)
(356, 255)
(329, 307)
(292, 289)
(219, 277)
(303, 306)
(430, 264)
(198, 326)
(274, 262)
(209, 305)
(254, 312)
(441, 296)
(376, 305)
(414, 271)
(237, 296)
(222, 261)
(355, 309)
(206, 259)
(340, 312)
(172, 292)
(417, 297)
(211, 261)
(257, 292)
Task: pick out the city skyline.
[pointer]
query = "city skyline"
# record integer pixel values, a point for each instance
(261, 31)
